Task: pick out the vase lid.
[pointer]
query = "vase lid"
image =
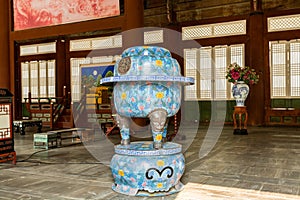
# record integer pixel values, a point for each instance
(147, 63)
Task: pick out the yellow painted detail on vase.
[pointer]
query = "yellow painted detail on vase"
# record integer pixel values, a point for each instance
(159, 185)
(123, 95)
(158, 63)
(158, 137)
(121, 172)
(160, 163)
(159, 95)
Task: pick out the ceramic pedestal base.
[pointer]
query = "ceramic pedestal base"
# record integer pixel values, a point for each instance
(140, 170)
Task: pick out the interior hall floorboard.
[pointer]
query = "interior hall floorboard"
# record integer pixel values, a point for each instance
(265, 164)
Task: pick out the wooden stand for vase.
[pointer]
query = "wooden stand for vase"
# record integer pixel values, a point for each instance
(241, 128)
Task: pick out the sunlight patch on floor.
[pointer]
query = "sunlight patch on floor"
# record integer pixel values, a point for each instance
(195, 191)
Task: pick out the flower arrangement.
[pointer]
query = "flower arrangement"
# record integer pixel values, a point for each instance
(235, 73)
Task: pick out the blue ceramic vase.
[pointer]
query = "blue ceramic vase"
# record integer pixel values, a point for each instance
(240, 92)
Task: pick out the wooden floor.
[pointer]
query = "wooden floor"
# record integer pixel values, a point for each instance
(263, 165)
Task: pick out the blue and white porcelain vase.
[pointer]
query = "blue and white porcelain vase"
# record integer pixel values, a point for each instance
(240, 91)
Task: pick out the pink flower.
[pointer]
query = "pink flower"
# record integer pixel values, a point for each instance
(141, 107)
(235, 75)
(132, 179)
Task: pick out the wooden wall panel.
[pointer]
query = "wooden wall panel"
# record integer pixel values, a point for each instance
(187, 10)
(155, 13)
(4, 44)
(213, 12)
(280, 4)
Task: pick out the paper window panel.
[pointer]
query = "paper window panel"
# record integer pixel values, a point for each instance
(196, 32)
(96, 43)
(118, 41)
(43, 69)
(35, 49)
(284, 23)
(102, 59)
(43, 91)
(34, 79)
(79, 45)
(51, 90)
(214, 30)
(42, 79)
(25, 80)
(46, 48)
(237, 54)
(220, 71)
(190, 70)
(211, 64)
(106, 42)
(51, 78)
(153, 37)
(205, 71)
(102, 43)
(28, 50)
(295, 69)
(278, 70)
(230, 28)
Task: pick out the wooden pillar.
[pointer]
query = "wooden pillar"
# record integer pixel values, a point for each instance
(255, 58)
(133, 35)
(134, 19)
(4, 45)
(62, 77)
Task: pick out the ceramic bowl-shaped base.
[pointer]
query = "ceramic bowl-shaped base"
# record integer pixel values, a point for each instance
(140, 170)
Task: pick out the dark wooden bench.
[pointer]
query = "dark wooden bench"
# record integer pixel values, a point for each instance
(20, 125)
(82, 134)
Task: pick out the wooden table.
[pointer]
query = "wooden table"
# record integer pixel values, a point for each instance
(240, 111)
(20, 125)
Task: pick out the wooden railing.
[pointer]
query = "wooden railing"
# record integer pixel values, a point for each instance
(56, 111)
(283, 116)
(92, 109)
(80, 108)
(88, 110)
(48, 109)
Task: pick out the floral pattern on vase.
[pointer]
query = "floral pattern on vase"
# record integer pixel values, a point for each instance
(240, 91)
(150, 96)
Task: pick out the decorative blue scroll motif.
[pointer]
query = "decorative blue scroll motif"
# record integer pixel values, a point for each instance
(240, 92)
